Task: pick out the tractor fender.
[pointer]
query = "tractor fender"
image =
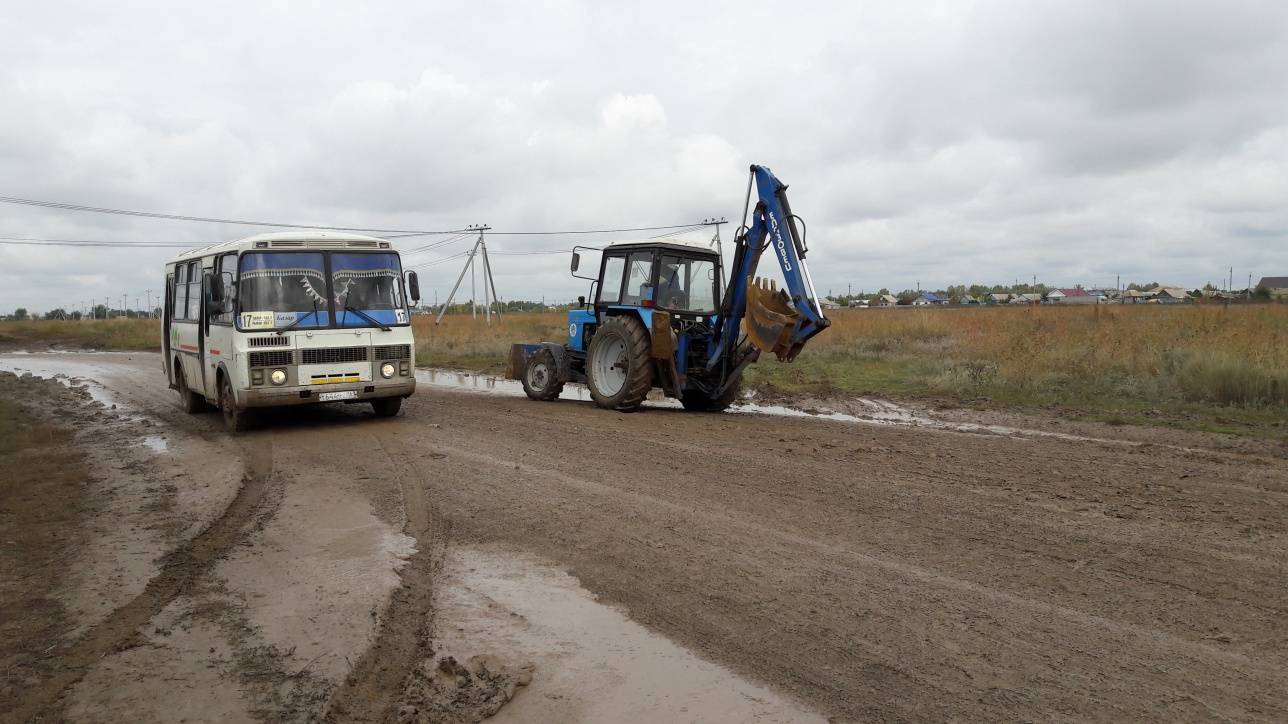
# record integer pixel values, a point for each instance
(562, 359)
(521, 353)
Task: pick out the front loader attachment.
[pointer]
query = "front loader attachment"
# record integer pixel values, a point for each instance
(771, 320)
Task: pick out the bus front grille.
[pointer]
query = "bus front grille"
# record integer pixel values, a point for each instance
(393, 351)
(333, 355)
(276, 358)
(274, 341)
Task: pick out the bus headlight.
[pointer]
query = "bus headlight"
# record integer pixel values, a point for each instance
(387, 370)
(278, 377)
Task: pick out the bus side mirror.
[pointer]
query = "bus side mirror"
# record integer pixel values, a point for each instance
(576, 261)
(413, 287)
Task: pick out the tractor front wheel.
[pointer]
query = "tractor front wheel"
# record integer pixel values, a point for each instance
(619, 370)
(541, 380)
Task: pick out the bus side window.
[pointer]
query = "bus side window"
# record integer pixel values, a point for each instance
(179, 305)
(194, 290)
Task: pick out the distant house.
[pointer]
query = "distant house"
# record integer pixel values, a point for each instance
(1076, 295)
(927, 299)
(968, 300)
(1170, 295)
(999, 298)
(887, 300)
(829, 303)
(1135, 296)
(1026, 299)
(1278, 286)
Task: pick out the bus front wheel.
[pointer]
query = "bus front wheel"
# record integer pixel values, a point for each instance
(235, 420)
(387, 406)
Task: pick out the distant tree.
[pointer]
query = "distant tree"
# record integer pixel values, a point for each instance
(100, 311)
(20, 313)
(1209, 287)
(1261, 294)
(58, 313)
(882, 291)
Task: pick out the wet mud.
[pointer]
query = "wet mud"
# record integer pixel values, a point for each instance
(483, 555)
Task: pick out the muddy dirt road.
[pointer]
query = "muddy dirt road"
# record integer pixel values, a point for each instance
(483, 554)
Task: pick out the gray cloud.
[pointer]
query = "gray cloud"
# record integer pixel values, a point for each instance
(943, 142)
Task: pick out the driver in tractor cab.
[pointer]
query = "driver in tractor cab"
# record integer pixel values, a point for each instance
(670, 291)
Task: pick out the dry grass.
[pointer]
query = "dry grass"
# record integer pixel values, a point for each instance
(473, 344)
(119, 334)
(1233, 354)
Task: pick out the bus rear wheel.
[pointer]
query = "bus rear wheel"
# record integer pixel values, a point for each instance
(235, 420)
(189, 401)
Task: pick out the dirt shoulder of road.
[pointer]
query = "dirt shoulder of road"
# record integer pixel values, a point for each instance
(42, 503)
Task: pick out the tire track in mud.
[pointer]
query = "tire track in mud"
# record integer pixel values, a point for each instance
(374, 685)
(178, 570)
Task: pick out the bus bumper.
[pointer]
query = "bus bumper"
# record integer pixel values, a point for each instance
(364, 391)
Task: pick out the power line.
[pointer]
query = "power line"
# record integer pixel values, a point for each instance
(28, 241)
(181, 217)
(604, 231)
(281, 225)
(450, 240)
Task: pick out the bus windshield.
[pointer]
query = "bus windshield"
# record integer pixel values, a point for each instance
(370, 284)
(280, 289)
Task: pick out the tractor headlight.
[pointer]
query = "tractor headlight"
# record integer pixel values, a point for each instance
(278, 377)
(387, 370)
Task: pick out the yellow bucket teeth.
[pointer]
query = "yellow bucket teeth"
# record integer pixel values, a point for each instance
(770, 317)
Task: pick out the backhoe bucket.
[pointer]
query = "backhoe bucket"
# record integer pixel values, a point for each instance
(770, 318)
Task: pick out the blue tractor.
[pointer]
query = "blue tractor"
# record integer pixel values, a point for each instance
(657, 316)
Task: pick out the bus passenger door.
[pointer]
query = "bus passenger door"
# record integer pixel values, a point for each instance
(218, 342)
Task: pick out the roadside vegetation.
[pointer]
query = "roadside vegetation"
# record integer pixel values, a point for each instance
(1213, 367)
(114, 334)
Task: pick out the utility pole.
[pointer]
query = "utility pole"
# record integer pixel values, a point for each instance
(479, 245)
(474, 305)
(149, 293)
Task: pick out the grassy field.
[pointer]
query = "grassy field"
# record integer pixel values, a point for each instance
(115, 334)
(1216, 367)
(1209, 367)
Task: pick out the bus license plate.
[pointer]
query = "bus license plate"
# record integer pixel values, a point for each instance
(333, 396)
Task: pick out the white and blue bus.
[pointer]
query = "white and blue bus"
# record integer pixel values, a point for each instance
(289, 319)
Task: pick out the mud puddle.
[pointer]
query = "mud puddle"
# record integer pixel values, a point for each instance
(71, 371)
(587, 661)
(862, 410)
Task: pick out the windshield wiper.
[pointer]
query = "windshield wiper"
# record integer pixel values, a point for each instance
(282, 331)
(368, 317)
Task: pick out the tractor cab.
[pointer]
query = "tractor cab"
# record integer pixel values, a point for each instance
(682, 279)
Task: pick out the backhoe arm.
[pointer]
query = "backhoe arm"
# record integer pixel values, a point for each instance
(781, 321)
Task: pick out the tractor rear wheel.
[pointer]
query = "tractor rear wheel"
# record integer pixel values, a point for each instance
(619, 370)
(541, 380)
(697, 401)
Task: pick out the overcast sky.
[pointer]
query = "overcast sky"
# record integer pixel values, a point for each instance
(939, 142)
